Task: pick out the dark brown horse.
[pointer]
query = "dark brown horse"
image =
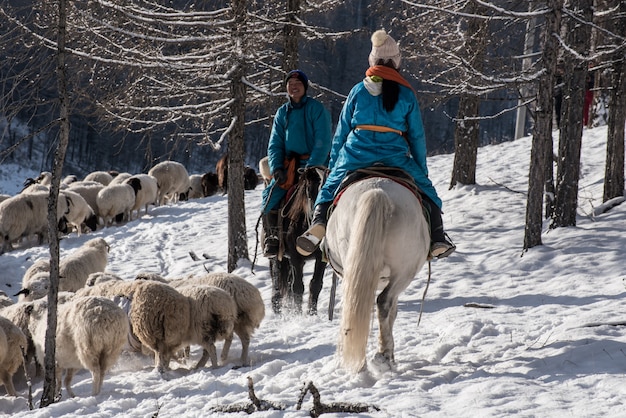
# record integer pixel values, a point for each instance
(287, 269)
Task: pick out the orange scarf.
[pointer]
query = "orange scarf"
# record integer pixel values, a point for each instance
(388, 73)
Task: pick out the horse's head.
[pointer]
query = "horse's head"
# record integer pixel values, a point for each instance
(310, 181)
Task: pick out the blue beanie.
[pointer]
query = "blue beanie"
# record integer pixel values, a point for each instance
(300, 76)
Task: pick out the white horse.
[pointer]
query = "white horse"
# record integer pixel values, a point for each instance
(377, 238)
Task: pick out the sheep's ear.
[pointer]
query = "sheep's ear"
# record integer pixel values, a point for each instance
(25, 292)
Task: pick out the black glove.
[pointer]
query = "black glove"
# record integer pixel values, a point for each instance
(280, 176)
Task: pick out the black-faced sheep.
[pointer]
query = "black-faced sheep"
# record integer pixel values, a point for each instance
(195, 187)
(12, 345)
(146, 192)
(172, 179)
(115, 202)
(89, 191)
(99, 176)
(79, 212)
(249, 302)
(91, 332)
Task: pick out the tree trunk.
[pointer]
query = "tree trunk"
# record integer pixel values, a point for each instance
(570, 140)
(466, 141)
(49, 384)
(291, 35)
(467, 123)
(542, 132)
(237, 237)
(614, 171)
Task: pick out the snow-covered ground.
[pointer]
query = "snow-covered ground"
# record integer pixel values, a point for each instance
(503, 333)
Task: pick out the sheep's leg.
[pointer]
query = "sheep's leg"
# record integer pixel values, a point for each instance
(69, 374)
(162, 361)
(7, 379)
(245, 347)
(97, 374)
(208, 352)
(226, 348)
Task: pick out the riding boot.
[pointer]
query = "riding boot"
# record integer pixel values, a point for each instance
(440, 246)
(308, 242)
(270, 226)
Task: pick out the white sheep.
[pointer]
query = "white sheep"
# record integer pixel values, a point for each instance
(101, 277)
(172, 179)
(146, 192)
(12, 345)
(100, 176)
(91, 332)
(120, 178)
(24, 215)
(19, 314)
(214, 320)
(115, 202)
(79, 212)
(4, 197)
(5, 300)
(264, 169)
(89, 191)
(250, 306)
(74, 269)
(195, 187)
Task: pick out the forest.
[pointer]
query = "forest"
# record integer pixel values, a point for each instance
(122, 85)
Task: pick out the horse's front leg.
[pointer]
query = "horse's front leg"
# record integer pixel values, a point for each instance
(387, 311)
(278, 284)
(315, 286)
(296, 281)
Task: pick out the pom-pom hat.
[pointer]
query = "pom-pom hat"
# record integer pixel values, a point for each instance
(384, 47)
(300, 76)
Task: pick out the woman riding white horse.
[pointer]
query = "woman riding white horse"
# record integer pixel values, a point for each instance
(380, 123)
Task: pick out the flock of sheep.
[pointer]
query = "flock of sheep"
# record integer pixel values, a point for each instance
(101, 314)
(102, 198)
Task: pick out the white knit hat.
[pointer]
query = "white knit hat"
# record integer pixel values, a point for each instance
(384, 47)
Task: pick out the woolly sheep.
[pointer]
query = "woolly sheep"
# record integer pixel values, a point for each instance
(172, 179)
(12, 344)
(24, 215)
(264, 169)
(67, 180)
(41, 183)
(79, 212)
(5, 300)
(74, 269)
(91, 332)
(195, 184)
(115, 202)
(214, 320)
(100, 176)
(146, 192)
(101, 277)
(19, 314)
(4, 197)
(250, 306)
(165, 320)
(120, 178)
(89, 191)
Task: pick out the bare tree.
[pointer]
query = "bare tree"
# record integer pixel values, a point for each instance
(578, 25)
(542, 133)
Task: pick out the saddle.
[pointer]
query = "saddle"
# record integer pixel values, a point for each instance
(393, 173)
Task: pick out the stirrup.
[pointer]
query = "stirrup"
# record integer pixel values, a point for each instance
(442, 249)
(308, 242)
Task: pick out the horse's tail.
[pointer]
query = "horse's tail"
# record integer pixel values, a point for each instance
(362, 267)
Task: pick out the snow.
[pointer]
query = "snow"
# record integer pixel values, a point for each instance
(503, 333)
